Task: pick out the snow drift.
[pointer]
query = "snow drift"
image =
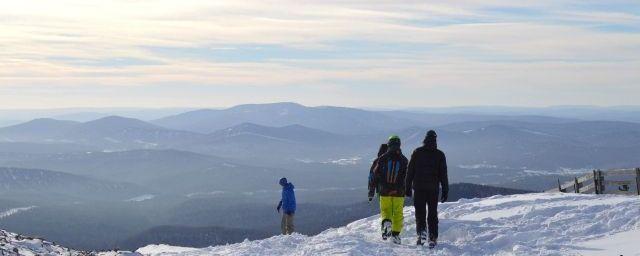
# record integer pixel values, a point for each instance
(529, 224)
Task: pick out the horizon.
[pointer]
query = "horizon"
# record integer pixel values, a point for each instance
(378, 54)
(365, 107)
(11, 117)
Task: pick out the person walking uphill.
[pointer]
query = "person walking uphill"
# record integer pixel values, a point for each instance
(427, 173)
(288, 205)
(389, 173)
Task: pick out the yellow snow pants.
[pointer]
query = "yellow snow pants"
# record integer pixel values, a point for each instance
(391, 209)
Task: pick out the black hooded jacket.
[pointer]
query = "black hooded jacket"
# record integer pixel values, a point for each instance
(389, 174)
(427, 169)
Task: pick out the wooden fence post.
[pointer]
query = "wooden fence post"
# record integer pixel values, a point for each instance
(576, 185)
(601, 181)
(559, 186)
(638, 181)
(595, 182)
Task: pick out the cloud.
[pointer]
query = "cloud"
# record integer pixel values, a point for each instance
(352, 48)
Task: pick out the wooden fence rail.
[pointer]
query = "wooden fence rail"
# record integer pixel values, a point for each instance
(617, 181)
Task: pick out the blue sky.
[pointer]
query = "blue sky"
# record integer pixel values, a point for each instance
(192, 53)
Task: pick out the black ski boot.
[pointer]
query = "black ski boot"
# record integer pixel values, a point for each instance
(396, 238)
(422, 237)
(386, 229)
(433, 241)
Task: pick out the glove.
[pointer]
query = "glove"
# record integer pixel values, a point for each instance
(445, 195)
(278, 209)
(370, 196)
(408, 193)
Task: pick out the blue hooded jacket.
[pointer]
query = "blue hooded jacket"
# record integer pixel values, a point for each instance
(288, 200)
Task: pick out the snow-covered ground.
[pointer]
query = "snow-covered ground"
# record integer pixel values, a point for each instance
(623, 243)
(12, 244)
(530, 224)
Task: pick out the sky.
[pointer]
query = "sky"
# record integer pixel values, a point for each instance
(192, 53)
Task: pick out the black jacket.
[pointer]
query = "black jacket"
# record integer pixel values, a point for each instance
(389, 174)
(427, 170)
(373, 187)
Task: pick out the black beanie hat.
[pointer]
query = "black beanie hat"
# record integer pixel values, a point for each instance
(431, 136)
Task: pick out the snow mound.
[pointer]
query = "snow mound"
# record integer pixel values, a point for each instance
(529, 224)
(15, 244)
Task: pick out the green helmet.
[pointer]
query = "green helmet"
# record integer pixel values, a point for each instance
(394, 139)
(394, 143)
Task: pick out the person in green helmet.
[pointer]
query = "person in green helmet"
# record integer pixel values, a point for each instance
(388, 177)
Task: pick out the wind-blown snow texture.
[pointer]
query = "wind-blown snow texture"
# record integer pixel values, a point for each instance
(530, 224)
(12, 244)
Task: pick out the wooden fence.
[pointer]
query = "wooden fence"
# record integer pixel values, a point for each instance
(617, 181)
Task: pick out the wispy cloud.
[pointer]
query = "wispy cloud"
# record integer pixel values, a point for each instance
(300, 48)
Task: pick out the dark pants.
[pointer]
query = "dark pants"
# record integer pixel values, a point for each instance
(423, 199)
(287, 224)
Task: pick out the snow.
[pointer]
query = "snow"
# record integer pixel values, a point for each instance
(623, 243)
(537, 133)
(210, 193)
(560, 171)
(141, 198)
(306, 161)
(13, 211)
(345, 161)
(478, 166)
(166, 249)
(341, 161)
(529, 224)
(146, 144)
(15, 244)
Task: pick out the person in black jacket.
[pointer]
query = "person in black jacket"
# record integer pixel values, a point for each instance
(388, 177)
(372, 184)
(427, 172)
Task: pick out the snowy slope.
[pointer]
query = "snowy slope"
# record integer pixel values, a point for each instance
(12, 244)
(623, 243)
(530, 224)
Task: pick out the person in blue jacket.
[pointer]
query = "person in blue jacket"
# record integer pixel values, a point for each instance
(288, 205)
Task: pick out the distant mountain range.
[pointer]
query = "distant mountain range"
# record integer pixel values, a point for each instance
(110, 133)
(36, 130)
(339, 120)
(289, 132)
(331, 119)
